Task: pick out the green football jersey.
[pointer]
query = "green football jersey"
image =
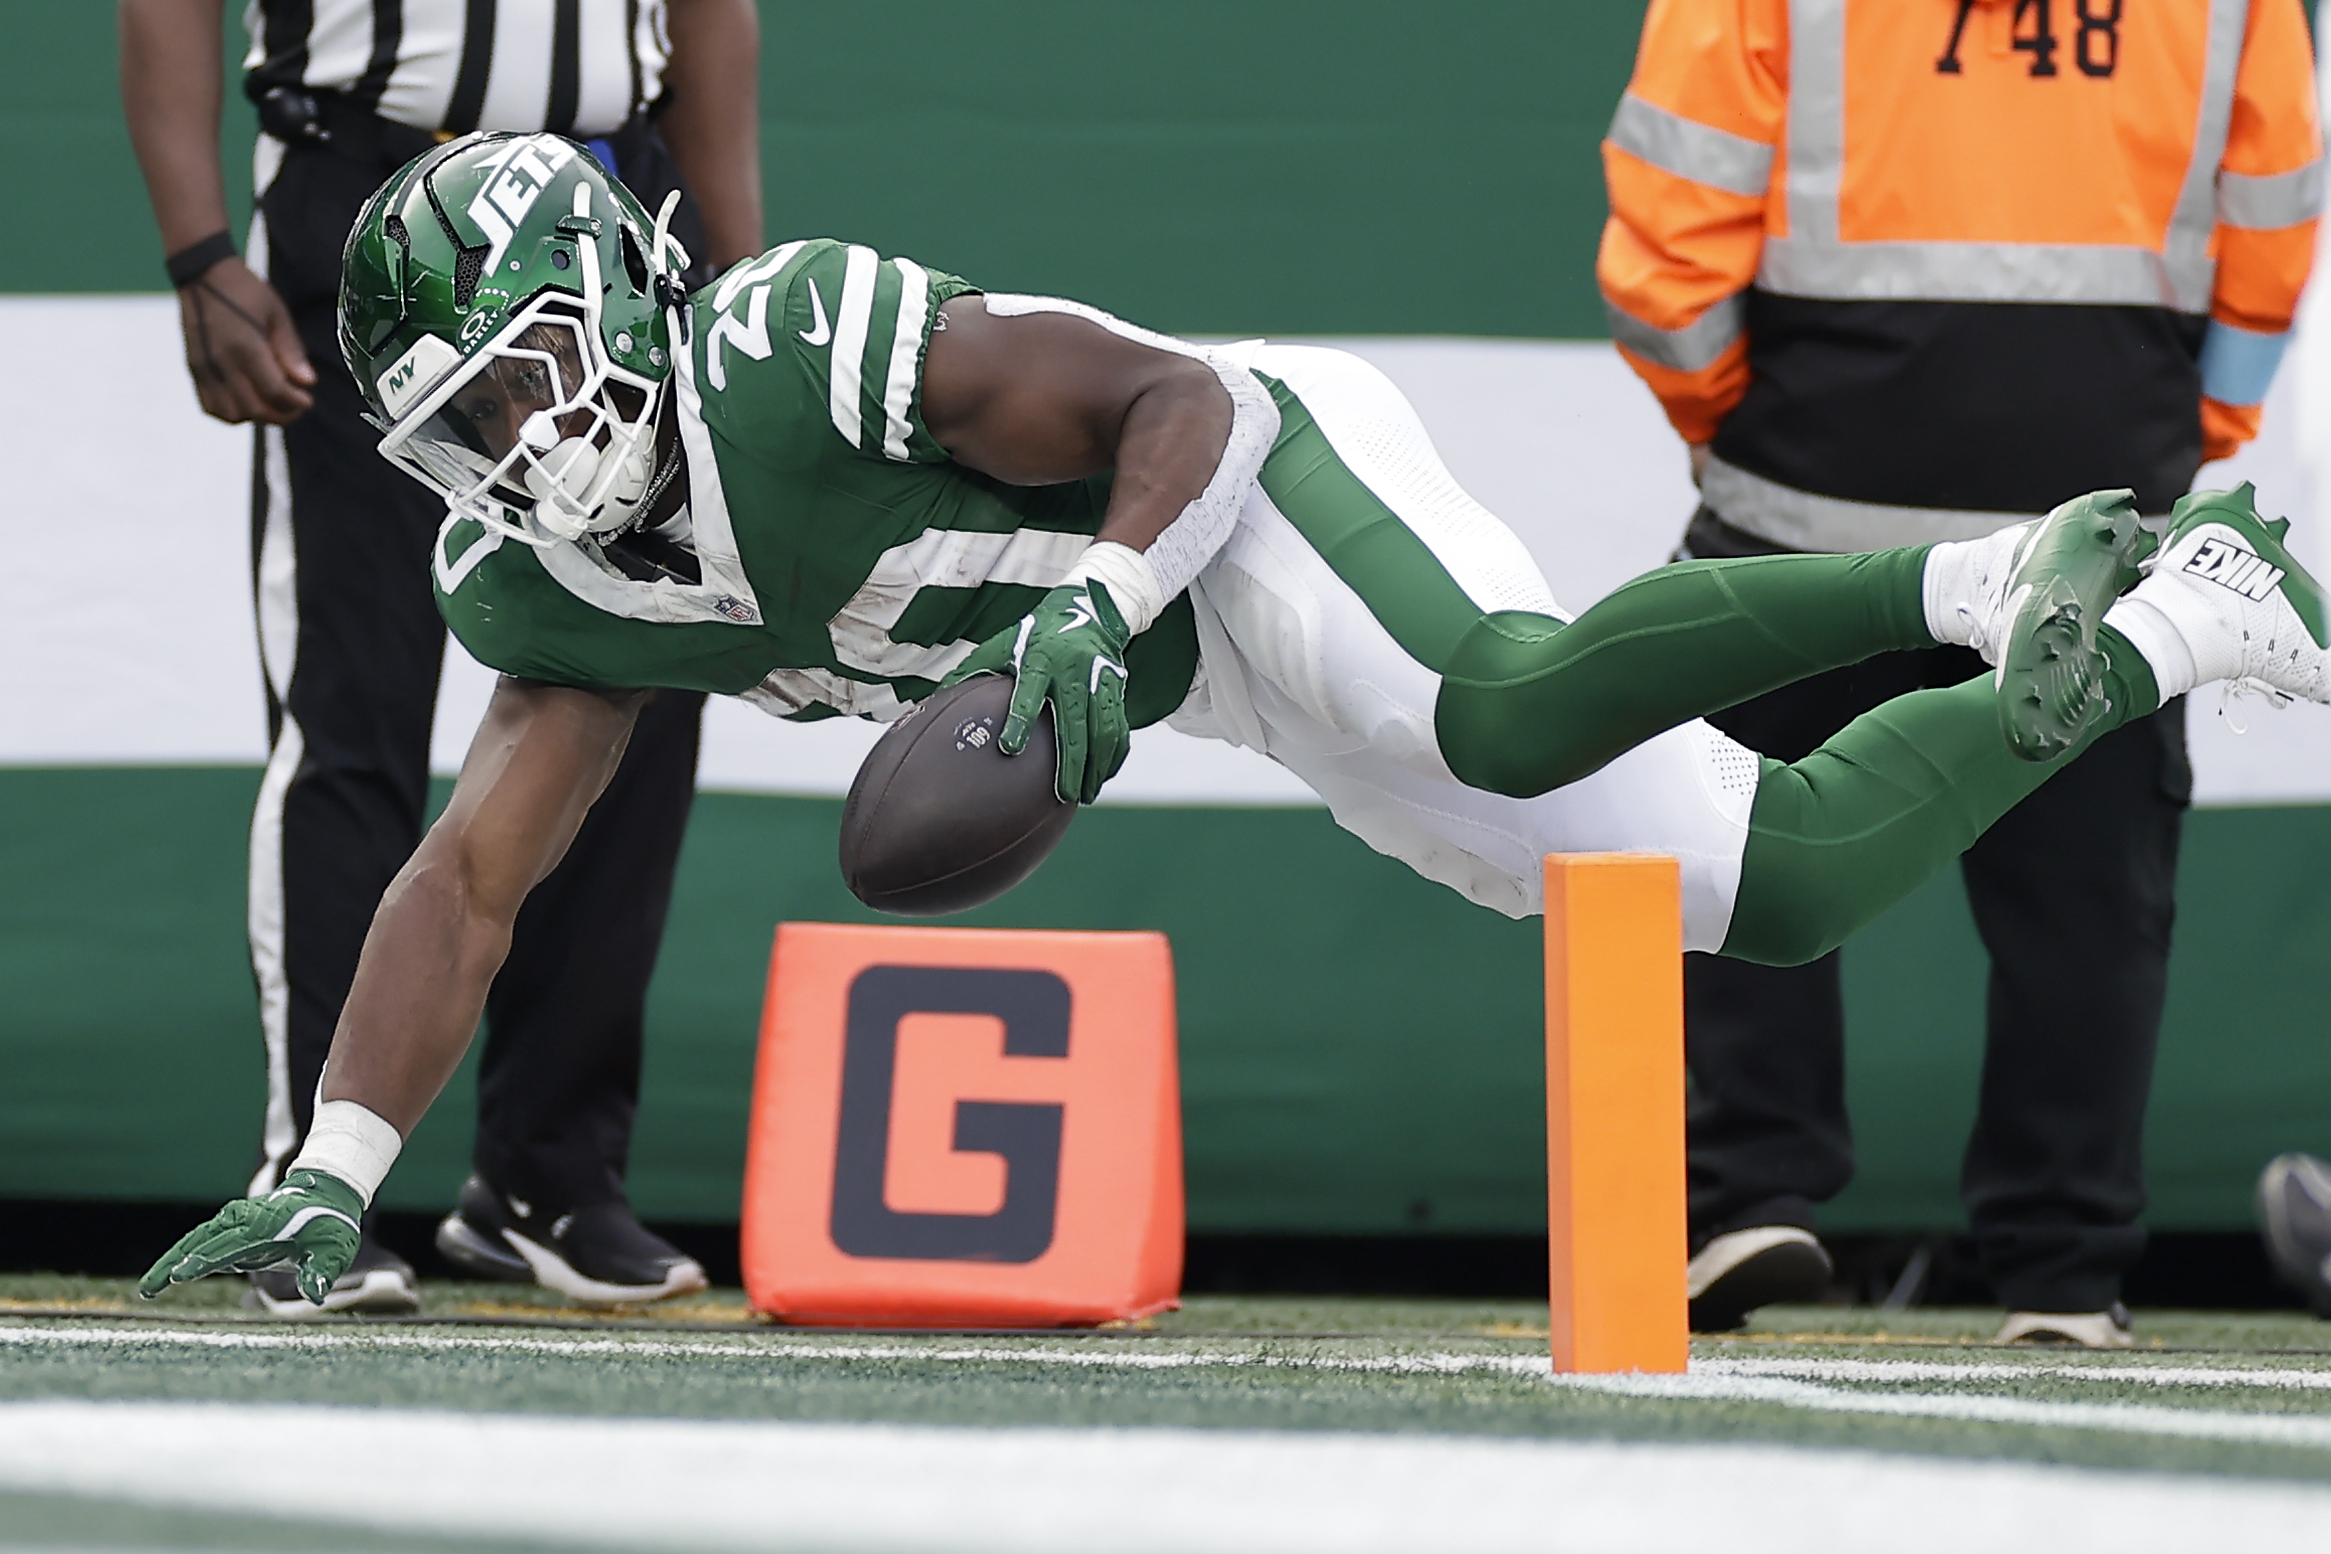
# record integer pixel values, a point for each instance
(846, 564)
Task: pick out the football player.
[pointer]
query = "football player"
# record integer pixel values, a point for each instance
(834, 481)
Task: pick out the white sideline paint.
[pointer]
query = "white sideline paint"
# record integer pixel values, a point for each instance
(138, 644)
(2117, 1373)
(2309, 1431)
(1771, 1382)
(660, 1483)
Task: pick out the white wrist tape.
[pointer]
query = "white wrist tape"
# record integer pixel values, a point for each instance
(1131, 582)
(353, 1143)
(1176, 556)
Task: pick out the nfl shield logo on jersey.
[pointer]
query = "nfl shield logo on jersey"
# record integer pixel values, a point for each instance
(734, 608)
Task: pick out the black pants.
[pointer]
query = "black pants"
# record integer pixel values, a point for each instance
(352, 644)
(2074, 895)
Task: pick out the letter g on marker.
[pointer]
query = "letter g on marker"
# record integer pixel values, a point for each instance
(1034, 1007)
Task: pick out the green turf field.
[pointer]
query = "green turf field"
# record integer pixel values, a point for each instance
(501, 1421)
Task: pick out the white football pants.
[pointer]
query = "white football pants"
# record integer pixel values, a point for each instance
(1293, 663)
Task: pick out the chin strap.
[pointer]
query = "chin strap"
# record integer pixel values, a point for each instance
(671, 291)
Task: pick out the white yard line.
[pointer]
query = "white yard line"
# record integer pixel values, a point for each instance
(2310, 1431)
(671, 1484)
(2113, 1370)
(1121, 1354)
(775, 1348)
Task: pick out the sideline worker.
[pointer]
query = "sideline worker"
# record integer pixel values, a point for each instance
(1910, 270)
(665, 94)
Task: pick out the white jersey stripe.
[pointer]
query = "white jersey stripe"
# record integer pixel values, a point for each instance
(854, 315)
(906, 349)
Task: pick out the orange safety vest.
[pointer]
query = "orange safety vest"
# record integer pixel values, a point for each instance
(1917, 268)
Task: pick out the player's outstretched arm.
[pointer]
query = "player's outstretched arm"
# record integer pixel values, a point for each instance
(540, 758)
(1036, 393)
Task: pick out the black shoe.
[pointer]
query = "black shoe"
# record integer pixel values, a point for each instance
(378, 1283)
(2294, 1212)
(1744, 1269)
(600, 1255)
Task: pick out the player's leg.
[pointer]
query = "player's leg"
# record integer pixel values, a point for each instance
(2074, 892)
(1843, 834)
(1769, 1136)
(1360, 571)
(1530, 704)
(1339, 684)
(1838, 837)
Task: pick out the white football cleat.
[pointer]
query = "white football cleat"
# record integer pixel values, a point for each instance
(2081, 554)
(1966, 586)
(2226, 586)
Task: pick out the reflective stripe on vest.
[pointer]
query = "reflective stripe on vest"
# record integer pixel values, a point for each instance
(1814, 261)
(1689, 149)
(1801, 520)
(2266, 203)
(1688, 349)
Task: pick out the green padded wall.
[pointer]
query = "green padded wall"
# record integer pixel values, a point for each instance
(1301, 166)
(1360, 1049)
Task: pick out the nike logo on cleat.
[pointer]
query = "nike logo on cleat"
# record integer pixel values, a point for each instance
(2234, 566)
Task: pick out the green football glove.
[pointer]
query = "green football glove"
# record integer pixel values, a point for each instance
(1070, 651)
(309, 1222)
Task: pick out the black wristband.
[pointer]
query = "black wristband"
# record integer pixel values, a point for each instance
(186, 265)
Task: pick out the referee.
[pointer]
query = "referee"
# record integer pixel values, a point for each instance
(664, 93)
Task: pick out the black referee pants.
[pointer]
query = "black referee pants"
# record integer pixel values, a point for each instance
(2073, 893)
(351, 645)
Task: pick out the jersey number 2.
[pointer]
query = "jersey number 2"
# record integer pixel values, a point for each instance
(2096, 45)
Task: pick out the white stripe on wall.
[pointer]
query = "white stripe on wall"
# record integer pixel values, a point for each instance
(157, 665)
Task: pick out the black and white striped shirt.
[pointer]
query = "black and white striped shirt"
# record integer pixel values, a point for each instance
(580, 67)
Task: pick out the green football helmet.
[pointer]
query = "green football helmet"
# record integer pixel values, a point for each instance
(510, 313)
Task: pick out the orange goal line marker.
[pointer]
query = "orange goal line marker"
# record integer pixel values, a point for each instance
(1616, 1236)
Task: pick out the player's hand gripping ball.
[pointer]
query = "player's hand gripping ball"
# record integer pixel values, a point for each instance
(309, 1222)
(1069, 651)
(940, 819)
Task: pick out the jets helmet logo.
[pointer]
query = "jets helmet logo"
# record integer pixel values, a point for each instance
(522, 170)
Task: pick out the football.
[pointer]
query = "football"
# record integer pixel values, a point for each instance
(939, 820)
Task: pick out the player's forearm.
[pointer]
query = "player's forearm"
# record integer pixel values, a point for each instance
(170, 88)
(540, 758)
(714, 125)
(419, 990)
(1219, 419)
(1172, 442)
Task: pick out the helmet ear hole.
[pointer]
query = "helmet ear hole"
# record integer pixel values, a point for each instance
(468, 270)
(635, 263)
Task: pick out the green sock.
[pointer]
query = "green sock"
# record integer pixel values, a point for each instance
(1528, 703)
(1840, 836)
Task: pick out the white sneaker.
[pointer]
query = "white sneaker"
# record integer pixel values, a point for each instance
(2106, 1329)
(2226, 589)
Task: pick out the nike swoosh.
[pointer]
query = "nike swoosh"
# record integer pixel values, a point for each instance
(821, 329)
